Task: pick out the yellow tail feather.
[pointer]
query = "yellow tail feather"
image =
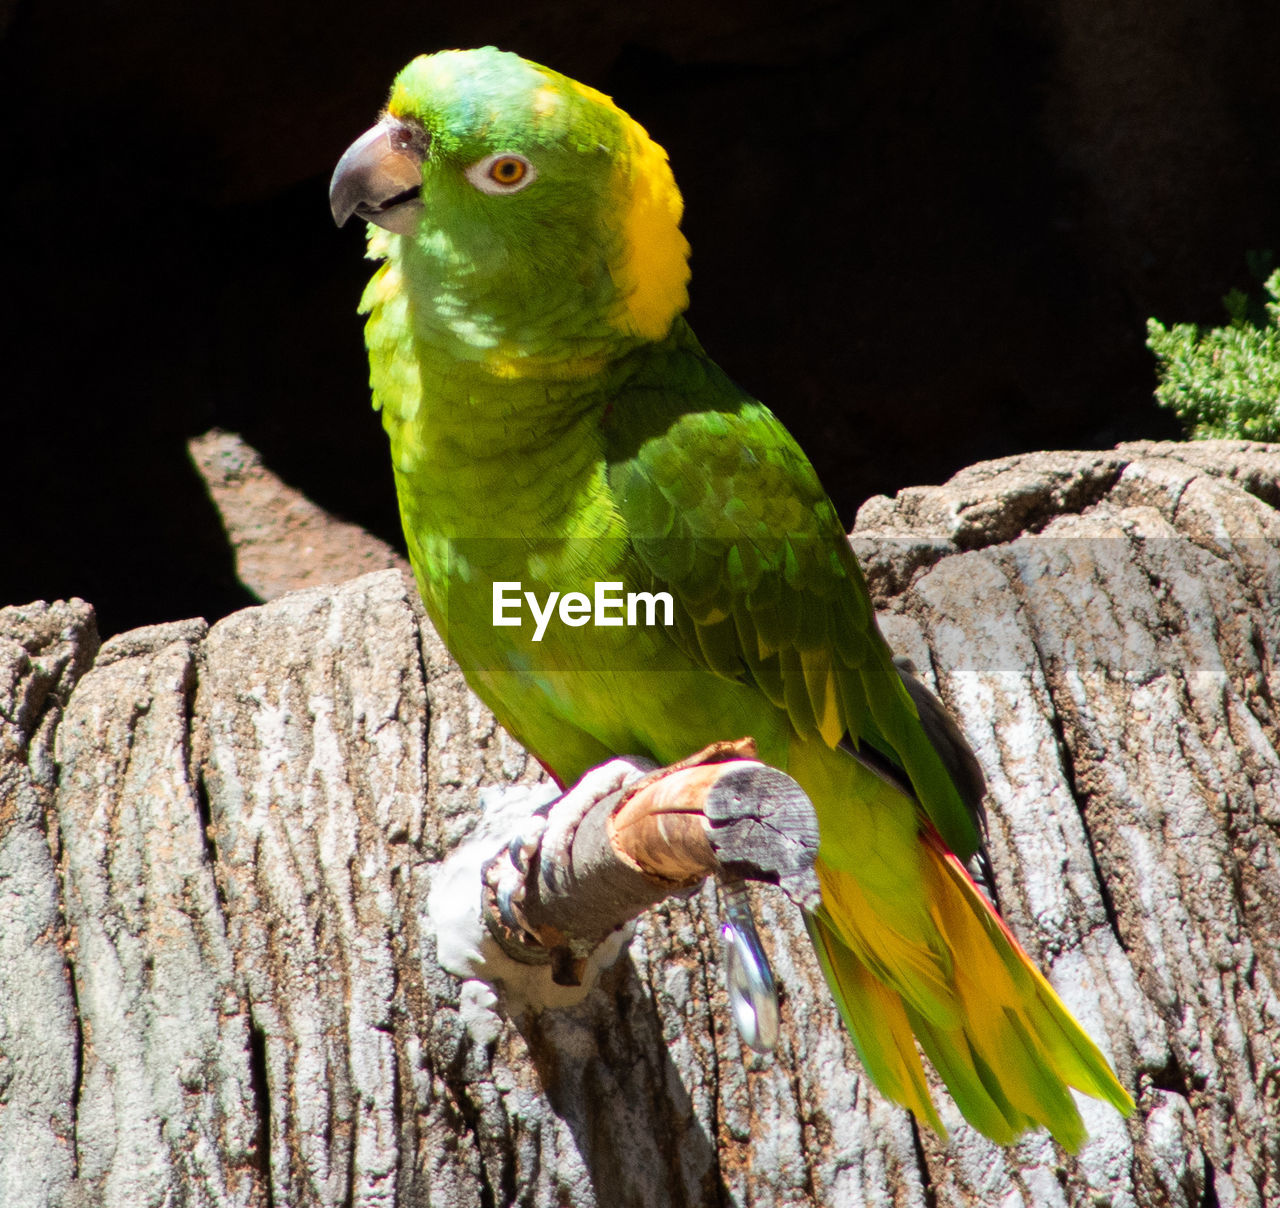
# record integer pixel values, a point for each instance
(988, 1021)
(886, 1050)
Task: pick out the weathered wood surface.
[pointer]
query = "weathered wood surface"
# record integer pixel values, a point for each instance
(219, 973)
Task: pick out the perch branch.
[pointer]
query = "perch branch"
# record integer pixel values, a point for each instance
(717, 813)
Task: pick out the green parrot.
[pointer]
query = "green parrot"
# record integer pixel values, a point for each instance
(627, 554)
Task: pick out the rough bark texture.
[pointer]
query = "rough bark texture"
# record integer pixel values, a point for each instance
(219, 973)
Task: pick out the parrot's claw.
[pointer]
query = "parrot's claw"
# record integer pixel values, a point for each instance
(753, 997)
(508, 878)
(507, 881)
(507, 896)
(521, 849)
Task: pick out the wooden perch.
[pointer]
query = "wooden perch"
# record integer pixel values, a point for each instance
(716, 813)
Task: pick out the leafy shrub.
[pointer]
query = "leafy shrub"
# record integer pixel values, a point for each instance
(1224, 381)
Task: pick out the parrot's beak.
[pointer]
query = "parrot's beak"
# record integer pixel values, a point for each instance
(379, 177)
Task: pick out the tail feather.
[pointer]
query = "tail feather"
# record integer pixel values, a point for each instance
(886, 1050)
(988, 1021)
(1074, 1057)
(1003, 1101)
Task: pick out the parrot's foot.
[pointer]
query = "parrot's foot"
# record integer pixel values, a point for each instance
(507, 877)
(566, 813)
(536, 866)
(628, 835)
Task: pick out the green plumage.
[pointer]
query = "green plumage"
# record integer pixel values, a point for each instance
(554, 423)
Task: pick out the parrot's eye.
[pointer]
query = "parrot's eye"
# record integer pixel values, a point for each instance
(505, 172)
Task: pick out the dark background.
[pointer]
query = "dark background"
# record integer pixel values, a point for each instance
(925, 234)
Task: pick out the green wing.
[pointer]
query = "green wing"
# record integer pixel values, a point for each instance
(726, 513)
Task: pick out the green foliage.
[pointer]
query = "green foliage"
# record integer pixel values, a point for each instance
(1224, 381)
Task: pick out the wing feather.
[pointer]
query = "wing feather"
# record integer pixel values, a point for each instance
(726, 513)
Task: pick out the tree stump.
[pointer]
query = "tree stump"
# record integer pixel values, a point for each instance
(224, 978)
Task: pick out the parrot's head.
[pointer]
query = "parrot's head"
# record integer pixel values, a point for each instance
(523, 211)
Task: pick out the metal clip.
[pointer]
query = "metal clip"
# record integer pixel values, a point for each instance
(753, 997)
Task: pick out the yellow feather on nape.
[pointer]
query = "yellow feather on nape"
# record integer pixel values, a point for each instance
(655, 268)
(652, 265)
